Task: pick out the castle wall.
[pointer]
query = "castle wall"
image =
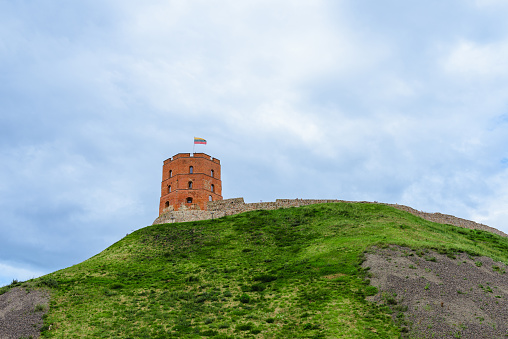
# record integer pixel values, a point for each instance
(217, 209)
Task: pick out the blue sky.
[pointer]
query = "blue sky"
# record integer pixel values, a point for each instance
(391, 101)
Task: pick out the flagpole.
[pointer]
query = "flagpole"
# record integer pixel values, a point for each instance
(193, 148)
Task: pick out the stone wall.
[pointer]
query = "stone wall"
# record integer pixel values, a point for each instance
(220, 208)
(217, 209)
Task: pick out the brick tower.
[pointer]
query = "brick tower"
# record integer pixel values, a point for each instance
(189, 181)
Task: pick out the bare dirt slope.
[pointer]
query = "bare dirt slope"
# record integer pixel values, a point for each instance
(438, 296)
(21, 312)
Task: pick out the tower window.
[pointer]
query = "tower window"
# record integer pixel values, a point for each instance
(211, 173)
(171, 173)
(190, 184)
(210, 198)
(169, 188)
(191, 169)
(189, 200)
(167, 204)
(213, 188)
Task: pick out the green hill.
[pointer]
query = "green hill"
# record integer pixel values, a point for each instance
(287, 273)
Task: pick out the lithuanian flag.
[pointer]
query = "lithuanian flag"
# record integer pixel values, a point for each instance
(200, 141)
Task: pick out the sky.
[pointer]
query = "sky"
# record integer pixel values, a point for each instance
(392, 101)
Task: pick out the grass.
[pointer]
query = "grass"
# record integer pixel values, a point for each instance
(288, 273)
(40, 308)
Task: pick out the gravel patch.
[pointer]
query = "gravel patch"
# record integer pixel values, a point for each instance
(436, 296)
(21, 312)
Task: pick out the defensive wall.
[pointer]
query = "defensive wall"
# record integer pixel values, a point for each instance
(220, 208)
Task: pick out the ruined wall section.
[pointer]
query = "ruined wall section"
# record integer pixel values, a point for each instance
(448, 219)
(217, 209)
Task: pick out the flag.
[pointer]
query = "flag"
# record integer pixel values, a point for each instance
(199, 141)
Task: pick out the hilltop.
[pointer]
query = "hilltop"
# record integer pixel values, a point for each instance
(301, 272)
(221, 208)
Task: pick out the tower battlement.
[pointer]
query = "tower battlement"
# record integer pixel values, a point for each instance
(192, 155)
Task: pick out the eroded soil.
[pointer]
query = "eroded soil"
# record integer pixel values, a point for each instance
(21, 312)
(438, 296)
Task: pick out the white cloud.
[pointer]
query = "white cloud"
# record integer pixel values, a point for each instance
(472, 60)
(205, 61)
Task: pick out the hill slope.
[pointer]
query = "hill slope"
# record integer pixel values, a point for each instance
(288, 273)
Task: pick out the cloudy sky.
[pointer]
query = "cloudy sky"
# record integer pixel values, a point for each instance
(392, 101)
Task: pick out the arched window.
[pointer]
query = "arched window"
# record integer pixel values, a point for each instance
(189, 200)
(171, 173)
(191, 169)
(169, 188)
(210, 198)
(211, 173)
(213, 188)
(167, 204)
(190, 184)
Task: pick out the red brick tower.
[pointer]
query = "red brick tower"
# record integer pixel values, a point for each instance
(189, 181)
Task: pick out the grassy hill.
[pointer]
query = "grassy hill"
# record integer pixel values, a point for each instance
(288, 273)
